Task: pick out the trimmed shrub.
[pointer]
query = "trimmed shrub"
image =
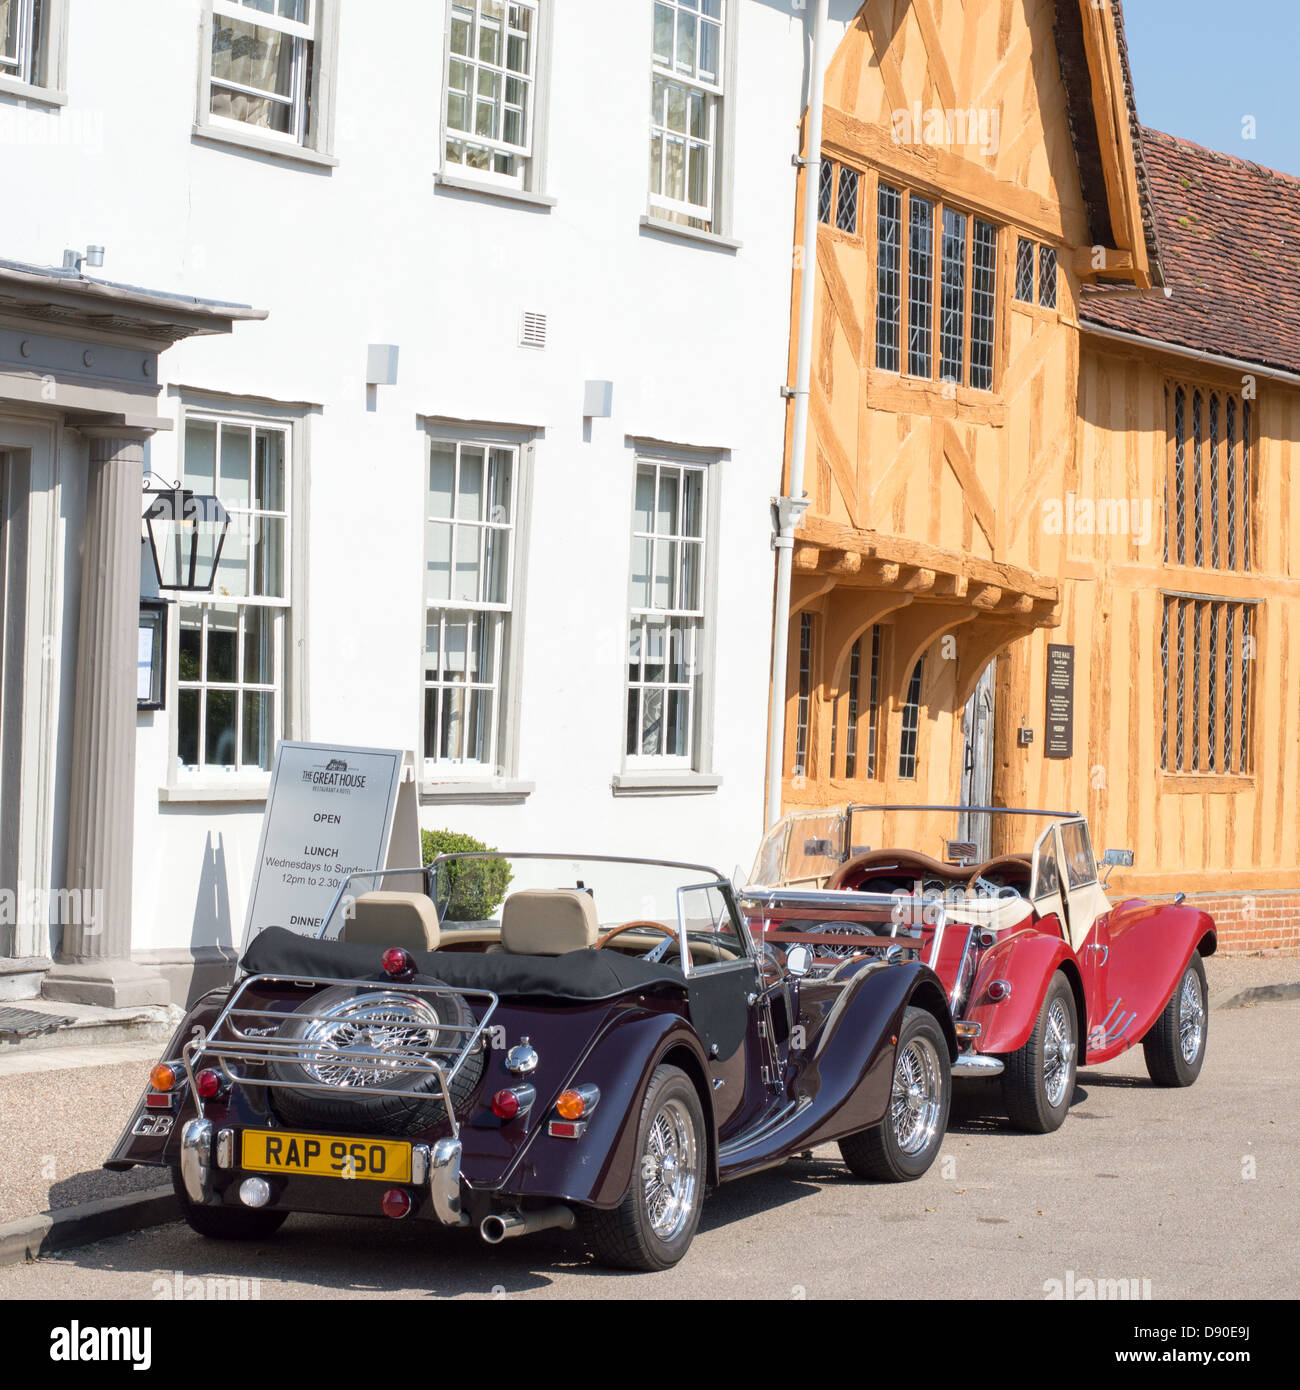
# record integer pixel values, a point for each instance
(469, 890)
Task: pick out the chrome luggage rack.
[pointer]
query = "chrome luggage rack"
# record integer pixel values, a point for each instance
(245, 1044)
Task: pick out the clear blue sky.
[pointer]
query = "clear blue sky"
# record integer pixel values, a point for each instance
(1201, 66)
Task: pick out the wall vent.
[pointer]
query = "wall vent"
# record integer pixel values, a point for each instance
(532, 330)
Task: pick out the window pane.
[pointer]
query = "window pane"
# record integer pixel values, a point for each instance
(693, 488)
(254, 57)
(952, 319)
(469, 502)
(219, 744)
(1025, 271)
(232, 573)
(465, 586)
(9, 14)
(643, 507)
(200, 469)
(1047, 277)
(442, 474)
(692, 555)
(665, 564)
(666, 515)
(982, 304)
(268, 557)
(686, 40)
(888, 255)
(652, 727)
(259, 729)
(639, 593)
(438, 574)
(656, 651)
(664, 35)
(191, 643)
(223, 638)
(456, 640)
(676, 741)
(920, 292)
(634, 651)
(268, 475)
(502, 468)
(187, 728)
(259, 646)
(235, 486)
(462, 30)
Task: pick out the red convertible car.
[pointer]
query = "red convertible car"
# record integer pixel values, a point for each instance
(1042, 971)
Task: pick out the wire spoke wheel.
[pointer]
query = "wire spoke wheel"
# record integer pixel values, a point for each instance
(1058, 1051)
(1191, 1017)
(669, 1169)
(1175, 1044)
(917, 1094)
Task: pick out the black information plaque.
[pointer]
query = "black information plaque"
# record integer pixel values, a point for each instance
(1059, 742)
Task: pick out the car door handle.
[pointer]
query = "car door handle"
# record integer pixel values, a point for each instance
(1100, 946)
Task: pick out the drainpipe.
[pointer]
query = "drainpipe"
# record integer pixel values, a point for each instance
(790, 509)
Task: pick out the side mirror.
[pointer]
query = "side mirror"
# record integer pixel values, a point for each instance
(798, 961)
(1115, 859)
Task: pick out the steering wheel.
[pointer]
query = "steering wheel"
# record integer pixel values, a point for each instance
(603, 941)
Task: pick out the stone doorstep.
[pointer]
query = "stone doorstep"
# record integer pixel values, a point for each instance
(96, 1026)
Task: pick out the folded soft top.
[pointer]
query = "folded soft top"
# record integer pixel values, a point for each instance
(579, 975)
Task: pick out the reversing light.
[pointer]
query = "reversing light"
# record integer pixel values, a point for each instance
(208, 1083)
(255, 1192)
(999, 990)
(505, 1104)
(396, 1203)
(162, 1077)
(399, 963)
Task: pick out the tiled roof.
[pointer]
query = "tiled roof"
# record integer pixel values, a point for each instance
(1230, 242)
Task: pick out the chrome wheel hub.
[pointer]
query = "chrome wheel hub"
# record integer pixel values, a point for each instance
(368, 1040)
(669, 1170)
(1191, 1017)
(1059, 1050)
(917, 1096)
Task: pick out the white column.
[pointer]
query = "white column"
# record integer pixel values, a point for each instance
(93, 964)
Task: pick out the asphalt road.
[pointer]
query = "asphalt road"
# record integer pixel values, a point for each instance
(1194, 1191)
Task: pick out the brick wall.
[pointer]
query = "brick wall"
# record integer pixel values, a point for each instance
(1253, 922)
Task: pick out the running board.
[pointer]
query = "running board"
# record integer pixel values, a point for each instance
(765, 1129)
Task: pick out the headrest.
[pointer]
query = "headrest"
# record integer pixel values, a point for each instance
(548, 922)
(409, 920)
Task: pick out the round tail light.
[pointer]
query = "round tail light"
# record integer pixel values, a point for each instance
(162, 1077)
(396, 1203)
(208, 1083)
(399, 964)
(505, 1105)
(572, 1105)
(999, 990)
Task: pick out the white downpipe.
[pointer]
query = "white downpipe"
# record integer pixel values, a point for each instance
(790, 509)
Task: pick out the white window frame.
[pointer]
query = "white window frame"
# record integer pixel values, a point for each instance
(211, 782)
(713, 214)
(697, 685)
(311, 122)
(527, 174)
(38, 69)
(437, 773)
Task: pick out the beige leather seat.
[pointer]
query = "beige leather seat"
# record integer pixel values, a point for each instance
(409, 920)
(548, 921)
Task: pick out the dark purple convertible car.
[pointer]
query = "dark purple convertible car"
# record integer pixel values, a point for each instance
(521, 1042)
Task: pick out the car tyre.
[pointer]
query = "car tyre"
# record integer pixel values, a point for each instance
(226, 1223)
(1038, 1080)
(1174, 1047)
(907, 1141)
(654, 1224)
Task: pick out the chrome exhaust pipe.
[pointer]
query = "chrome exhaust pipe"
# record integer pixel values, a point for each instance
(508, 1224)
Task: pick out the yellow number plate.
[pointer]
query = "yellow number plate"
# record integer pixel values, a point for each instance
(325, 1156)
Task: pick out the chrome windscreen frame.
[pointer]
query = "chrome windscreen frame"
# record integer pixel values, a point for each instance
(241, 1045)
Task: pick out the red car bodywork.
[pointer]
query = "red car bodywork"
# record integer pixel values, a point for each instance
(1122, 971)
